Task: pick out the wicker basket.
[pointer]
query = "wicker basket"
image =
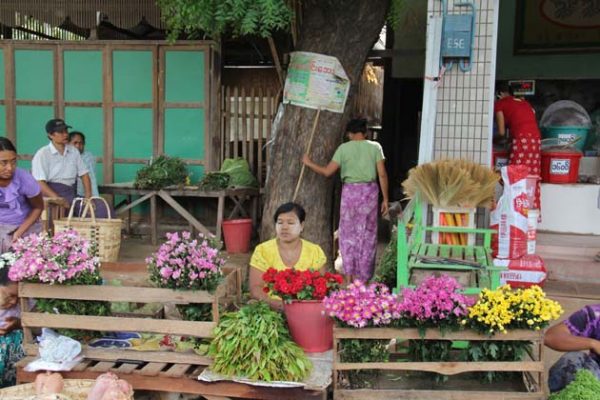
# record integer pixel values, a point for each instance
(74, 389)
(105, 232)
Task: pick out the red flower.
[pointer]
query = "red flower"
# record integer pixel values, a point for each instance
(291, 284)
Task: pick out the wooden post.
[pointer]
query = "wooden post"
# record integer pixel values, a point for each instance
(260, 137)
(312, 135)
(275, 56)
(236, 116)
(153, 221)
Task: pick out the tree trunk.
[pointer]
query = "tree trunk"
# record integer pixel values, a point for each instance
(346, 30)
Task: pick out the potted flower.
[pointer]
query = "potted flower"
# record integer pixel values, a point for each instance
(66, 259)
(184, 262)
(302, 293)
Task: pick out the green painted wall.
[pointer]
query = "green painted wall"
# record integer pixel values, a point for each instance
(31, 134)
(185, 76)
(133, 133)
(132, 76)
(35, 77)
(133, 125)
(89, 121)
(548, 66)
(83, 75)
(184, 129)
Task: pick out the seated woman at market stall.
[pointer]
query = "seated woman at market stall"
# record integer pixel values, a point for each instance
(287, 250)
(21, 202)
(579, 336)
(21, 205)
(57, 165)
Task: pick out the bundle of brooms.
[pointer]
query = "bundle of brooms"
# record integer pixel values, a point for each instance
(452, 183)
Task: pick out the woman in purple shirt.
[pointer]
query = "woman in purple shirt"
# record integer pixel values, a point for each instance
(21, 202)
(21, 205)
(579, 336)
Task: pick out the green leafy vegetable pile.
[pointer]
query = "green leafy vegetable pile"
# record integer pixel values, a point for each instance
(162, 172)
(215, 181)
(585, 387)
(255, 343)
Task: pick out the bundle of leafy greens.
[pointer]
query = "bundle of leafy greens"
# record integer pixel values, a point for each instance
(162, 172)
(585, 386)
(255, 343)
(215, 181)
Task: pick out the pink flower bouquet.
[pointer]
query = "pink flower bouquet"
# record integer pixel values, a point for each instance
(435, 302)
(361, 305)
(64, 258)
(186, 263)
(68, 259)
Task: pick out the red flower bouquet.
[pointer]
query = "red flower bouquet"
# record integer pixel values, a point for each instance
(290, 284)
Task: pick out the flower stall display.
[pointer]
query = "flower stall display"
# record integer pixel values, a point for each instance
(362, 305)
(303, 293)
(254, 343)
(504, 310)
(442, 329)
(66, 259)
(184, 262)
(435, 303)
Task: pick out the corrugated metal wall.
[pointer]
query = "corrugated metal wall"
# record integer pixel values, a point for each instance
(122, 13)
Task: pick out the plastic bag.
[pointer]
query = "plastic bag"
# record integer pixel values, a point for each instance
(509, 217)
(524, 272)
(239, 171)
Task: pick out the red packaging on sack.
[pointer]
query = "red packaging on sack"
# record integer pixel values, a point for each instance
(524, 272)
(509, 217)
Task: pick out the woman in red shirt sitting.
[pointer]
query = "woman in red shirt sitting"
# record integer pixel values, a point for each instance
(518, 116)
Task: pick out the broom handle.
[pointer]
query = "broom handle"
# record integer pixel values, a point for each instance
(312, 135)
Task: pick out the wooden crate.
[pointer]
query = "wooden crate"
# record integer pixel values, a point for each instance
(226, 293)
(532, 368)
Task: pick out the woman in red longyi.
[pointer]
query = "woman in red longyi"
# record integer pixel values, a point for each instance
(518, 116)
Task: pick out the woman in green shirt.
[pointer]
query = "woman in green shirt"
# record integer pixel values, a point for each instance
(361, 162)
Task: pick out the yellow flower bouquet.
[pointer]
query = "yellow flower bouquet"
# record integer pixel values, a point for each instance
(504, 309)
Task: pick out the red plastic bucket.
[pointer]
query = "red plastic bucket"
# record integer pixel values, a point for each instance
(560, 166)
(237, 234)
(309, 325)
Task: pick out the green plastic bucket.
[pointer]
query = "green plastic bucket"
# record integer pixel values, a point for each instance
(567, 134)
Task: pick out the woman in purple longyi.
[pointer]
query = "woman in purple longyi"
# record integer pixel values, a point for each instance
(361, 163)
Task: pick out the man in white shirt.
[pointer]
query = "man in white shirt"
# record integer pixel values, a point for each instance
(58, 165)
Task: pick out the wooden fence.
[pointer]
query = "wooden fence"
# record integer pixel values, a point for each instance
(246, 122)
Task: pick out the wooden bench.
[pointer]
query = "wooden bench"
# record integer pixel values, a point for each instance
(417, 256)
